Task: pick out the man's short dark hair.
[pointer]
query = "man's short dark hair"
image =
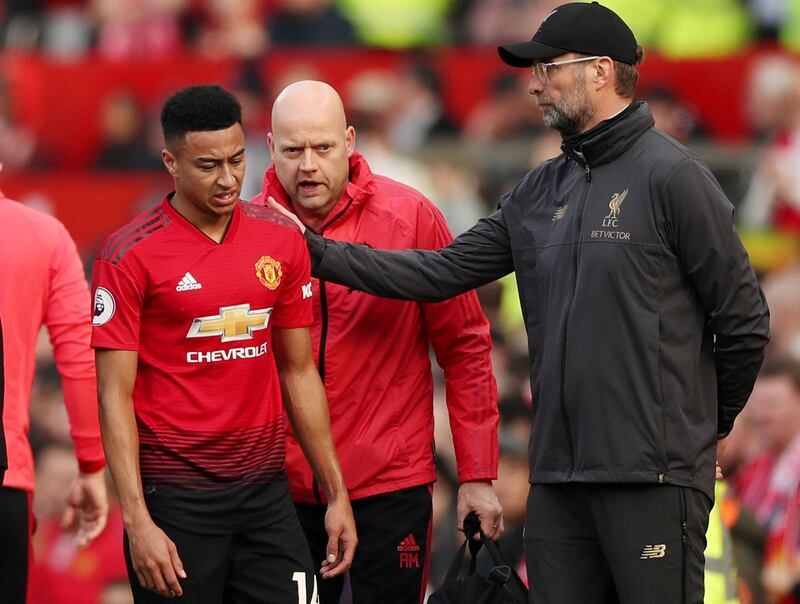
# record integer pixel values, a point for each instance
(628, 76)
(199, 109)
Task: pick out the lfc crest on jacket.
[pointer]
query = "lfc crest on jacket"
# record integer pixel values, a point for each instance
(612, 220)
(268, 271)
(615, 207)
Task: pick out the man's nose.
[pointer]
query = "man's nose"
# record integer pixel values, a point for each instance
(535, 85)
(226, 178)
(307, 163)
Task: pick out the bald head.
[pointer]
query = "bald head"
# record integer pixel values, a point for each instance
(308, 104)
(311, 145)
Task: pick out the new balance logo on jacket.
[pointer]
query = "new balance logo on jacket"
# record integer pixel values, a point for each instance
(188, 282)
(653, 551)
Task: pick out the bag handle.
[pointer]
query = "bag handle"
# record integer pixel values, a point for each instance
(457, 565)
(501, 573)
(472, 525)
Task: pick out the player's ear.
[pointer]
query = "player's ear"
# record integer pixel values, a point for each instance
(604, 68)
(271, 144)
(350, 140)
(170, 162)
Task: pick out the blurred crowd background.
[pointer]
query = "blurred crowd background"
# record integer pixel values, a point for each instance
(82, 81)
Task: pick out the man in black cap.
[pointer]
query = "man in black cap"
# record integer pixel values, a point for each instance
(645, 321)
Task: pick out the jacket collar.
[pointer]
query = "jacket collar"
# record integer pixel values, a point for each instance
(360, 186)
(610, 138)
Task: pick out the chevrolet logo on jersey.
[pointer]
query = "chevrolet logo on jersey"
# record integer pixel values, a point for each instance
(233, 323)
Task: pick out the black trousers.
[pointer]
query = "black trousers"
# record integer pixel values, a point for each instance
(621, 543)
(391, 561)
(266, 564)
(15, 553)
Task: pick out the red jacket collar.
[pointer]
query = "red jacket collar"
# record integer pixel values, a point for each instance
(360, 186)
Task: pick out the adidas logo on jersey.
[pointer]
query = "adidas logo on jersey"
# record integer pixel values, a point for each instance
(188, 282)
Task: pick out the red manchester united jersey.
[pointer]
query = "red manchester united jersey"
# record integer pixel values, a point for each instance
(200, 314)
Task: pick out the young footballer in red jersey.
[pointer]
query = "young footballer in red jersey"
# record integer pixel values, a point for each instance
(201, 315)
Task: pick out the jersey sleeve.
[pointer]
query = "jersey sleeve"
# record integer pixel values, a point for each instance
(293, 307)
(118, 299)
(67, 323)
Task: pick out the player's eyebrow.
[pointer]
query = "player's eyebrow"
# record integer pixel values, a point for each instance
(213, 160)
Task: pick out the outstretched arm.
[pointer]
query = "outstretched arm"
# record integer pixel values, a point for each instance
(479, 256)
(307, 408)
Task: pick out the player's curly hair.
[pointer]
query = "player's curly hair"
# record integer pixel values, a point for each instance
(199, 109)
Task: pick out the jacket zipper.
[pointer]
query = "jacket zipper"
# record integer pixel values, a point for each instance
(576, 266)
(323, 303)
(323, 338)
(684, 543)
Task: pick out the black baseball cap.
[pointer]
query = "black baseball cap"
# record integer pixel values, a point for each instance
(583, 27)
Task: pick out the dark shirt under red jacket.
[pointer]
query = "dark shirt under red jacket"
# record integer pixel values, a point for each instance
(373, 354)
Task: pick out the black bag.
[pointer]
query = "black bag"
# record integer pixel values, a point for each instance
(501, 586)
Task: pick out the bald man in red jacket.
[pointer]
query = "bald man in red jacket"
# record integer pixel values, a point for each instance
(373, 355)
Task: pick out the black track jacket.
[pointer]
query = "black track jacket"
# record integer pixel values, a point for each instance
(646, 325)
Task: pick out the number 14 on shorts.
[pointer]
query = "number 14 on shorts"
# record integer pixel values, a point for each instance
(302, 593)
